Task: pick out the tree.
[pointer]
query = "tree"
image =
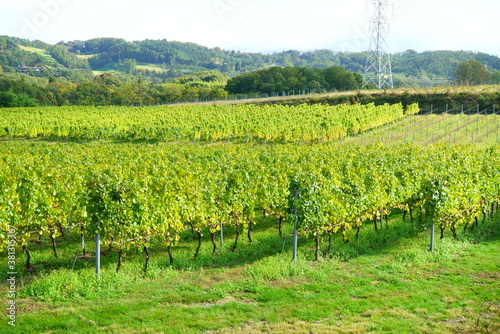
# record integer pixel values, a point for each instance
(130, 66)
(108, 80)
(3, 45)
(10, 99)
(472, 72)
(341, 79)
(287, 79)
(495, 77)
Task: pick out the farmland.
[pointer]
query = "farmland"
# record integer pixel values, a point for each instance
(195, 207)
(481, 127)
(305, 123)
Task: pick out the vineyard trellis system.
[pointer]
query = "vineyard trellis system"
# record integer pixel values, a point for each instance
(137, 196)
(444, 125)
(240, 123)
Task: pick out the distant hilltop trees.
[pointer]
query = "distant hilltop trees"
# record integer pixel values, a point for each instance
(162, 60)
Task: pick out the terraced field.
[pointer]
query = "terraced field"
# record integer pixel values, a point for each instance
(44, 53)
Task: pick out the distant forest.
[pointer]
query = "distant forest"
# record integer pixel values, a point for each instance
(174, 59)
(114, 71)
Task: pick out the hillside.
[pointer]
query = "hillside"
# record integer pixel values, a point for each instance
(41, 60)
(160, 60)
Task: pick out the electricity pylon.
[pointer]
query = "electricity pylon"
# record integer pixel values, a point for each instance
(378, 70)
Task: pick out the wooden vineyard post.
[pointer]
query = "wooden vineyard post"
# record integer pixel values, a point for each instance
(221, 235)
(295, 222)
(381, 219)
(98, 255)
(431, 247)
(477, 119)
(496, 121)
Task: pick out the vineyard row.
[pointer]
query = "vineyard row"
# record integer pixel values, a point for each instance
(140, 195)
(276, 123)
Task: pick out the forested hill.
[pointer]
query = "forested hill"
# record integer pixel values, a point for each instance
(41, 59)
(159, 60)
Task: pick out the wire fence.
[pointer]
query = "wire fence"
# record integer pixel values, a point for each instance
(462, 125)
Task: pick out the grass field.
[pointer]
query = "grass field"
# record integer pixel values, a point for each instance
(387, 282)
(151, 67)
(114, 68)
(85, 56)
(109, 68)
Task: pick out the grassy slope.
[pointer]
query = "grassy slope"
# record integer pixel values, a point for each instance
(482, 130)
(109, 68)
(85, 56)
(385, 283)
(151, 67)
(44, 54)
(114, 68)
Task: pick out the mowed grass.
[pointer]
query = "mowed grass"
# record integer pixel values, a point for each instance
(151, 67)
(386, 282)
(116, 68)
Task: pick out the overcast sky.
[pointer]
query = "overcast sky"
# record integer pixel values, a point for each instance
(260, 25)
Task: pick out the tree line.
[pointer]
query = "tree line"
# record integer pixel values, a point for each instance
(287, 79)
(172, 59)
(104, 89)
(61, 74)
